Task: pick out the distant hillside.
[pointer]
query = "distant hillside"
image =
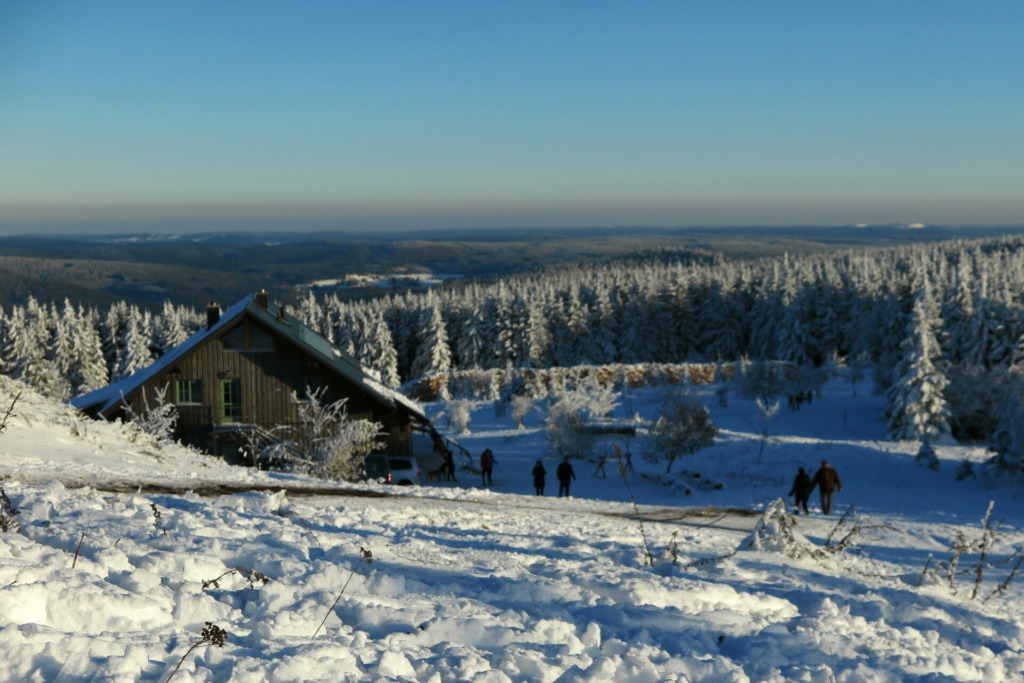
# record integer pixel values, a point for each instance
(146, 269)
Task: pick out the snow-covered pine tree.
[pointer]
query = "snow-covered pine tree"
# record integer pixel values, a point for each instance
(917, 407)
(377, 353)
(766, 315)
(347, 329)
(8, 334)
(63, 327)
(793, 340)
(112, 329)
(538, 337)
(433, 356)
(512, 339)
(827, 317)
(134, 346)
(88, 369)
(634, 340)
(957, 311)
(719, 323)
(32, 364)
(403, 322)
(170, 327)
(492, 314)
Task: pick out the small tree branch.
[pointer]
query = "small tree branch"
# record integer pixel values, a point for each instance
(367, 557)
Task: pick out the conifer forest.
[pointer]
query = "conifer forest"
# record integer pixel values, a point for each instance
(939, 327)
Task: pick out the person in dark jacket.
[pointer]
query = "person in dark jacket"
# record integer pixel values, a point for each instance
(801, 491)
(487, 467)
(538, 478)
(827, 481)
(565, 475)
(448, 467)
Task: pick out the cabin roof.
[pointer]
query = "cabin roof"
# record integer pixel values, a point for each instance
(279, 321)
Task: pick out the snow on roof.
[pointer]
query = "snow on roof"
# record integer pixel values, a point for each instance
(274, 317)
(112, 394)
(395, 396)
(331, 355)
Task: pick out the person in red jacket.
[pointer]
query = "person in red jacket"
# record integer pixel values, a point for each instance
(827, 481)
(487, 467)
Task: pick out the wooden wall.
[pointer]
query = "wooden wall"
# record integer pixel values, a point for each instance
(267, 377)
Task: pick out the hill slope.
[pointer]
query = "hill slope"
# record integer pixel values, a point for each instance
(495, 584)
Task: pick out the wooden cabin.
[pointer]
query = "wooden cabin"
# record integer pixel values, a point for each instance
(239, 375)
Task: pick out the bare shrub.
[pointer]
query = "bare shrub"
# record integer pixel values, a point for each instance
(251, 576)
(8, 514)
(761, 379)
(624, 472)
(949, 571)
(365, 556)
(210, 635)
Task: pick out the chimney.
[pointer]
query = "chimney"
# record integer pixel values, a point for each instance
(212, 314)
(262, 298)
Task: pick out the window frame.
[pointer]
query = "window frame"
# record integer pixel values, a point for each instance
(188, 392)
(230, 403)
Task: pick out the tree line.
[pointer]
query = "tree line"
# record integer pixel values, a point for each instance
(940, 324)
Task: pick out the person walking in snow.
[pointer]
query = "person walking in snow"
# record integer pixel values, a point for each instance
(827, 481)
(538, 478)
(801, 491)
(487, 467)
(565, 475)
(448, 466)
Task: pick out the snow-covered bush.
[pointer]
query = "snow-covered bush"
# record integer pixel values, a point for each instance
(566, 426)
(764, 380)
(458, 415)
(565, 429)
(158, 420)
(926, 456)
(684, 426)
(965, 470)
(775, 532)
(1008, 440)
(767, 412)
(975, 396)
(598, 398)
(329, 444)
(521, 407)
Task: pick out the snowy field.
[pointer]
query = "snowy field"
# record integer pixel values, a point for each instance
(454, 582)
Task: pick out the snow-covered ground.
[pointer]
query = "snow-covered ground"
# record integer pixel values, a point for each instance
(455, 582)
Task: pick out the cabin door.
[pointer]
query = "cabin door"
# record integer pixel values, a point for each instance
(230, 400)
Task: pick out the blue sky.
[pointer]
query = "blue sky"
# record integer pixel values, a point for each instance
(410, 115)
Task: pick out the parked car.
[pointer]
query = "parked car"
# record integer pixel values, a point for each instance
(376, 468)
(404, 471)
(391, 470)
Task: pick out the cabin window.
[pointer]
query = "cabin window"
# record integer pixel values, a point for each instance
(188, 391)
(230, 400)
(234, 339)
(248, 337)
(260, 340)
